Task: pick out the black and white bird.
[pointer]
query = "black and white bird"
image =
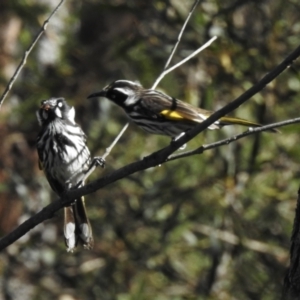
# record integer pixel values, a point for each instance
(65, 158)
(158, 113)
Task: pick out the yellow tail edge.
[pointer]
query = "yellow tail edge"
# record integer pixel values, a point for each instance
(243, 122)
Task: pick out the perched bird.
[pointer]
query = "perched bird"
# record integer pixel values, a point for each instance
(65, 158)
(158, 113)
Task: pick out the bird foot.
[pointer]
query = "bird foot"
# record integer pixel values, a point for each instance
(98, 161)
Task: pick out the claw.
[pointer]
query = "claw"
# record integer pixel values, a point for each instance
(98, 161)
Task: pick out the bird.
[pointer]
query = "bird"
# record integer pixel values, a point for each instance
(159, 113)
(65, 158)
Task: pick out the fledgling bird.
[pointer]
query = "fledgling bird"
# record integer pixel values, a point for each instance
(158, 113)
(65, 158)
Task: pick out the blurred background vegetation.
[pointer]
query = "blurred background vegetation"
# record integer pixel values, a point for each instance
(215, 226)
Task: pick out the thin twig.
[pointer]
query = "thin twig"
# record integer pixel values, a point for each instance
(26, 54)
(100, 160)
(108, 150)
(164, 73)
(227, 141)
(180, 36)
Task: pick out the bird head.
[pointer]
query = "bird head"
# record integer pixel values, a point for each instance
(53, 109)
(122, 92)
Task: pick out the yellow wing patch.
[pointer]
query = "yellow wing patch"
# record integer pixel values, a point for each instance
(175, 115)
(172, 114)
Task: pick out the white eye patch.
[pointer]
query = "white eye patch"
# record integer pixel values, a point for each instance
(60, 104)
(58, 112)
(71, 115)
(129, 82)
(131, 95)
(125, 91)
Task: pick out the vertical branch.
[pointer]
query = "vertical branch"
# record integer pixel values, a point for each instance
(165, 72)
(291, 289)
(181, 33)
(26, 54)
(161, 76)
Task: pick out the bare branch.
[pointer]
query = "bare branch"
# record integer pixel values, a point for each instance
(164, 73)
(227, 141)
(107, 152)
(180, 35)
(27, 52)
(97, 160)
(45, 214)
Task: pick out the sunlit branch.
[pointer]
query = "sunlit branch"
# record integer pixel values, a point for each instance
(227, 141)
(164, 73)
(180, 36)
(101, 159)
(27, 52)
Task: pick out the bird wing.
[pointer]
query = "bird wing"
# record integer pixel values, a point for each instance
(55, 185)
(164, 106)
(174, 110)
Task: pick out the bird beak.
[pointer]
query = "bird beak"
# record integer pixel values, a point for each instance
(46, 107)
(98, 94)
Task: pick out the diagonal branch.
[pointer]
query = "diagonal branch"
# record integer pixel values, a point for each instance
(180, 34)
(27, 52)
(100, 160)
(227, 141)
(167, 71)
(152, 160)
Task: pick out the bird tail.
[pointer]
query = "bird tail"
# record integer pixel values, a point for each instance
(77, 226)
(237, 121)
